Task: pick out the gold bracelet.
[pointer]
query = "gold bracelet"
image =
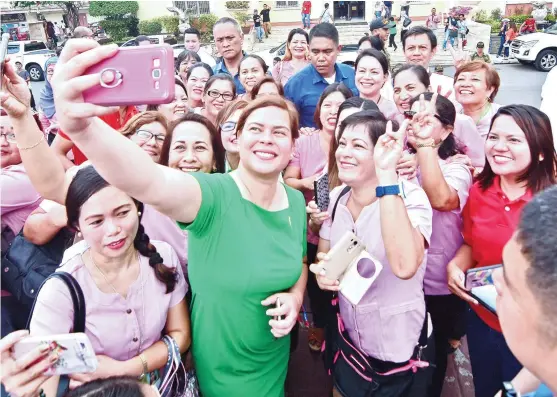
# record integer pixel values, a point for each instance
(144, 363)
(32, 146)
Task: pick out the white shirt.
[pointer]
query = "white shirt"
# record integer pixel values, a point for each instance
(326, 16)
(331, 79)
(206, 58)
(446, 83)
(549, 101)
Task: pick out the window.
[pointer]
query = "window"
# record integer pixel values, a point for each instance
(193, 8)
(13, 49)
(39, 45)
(287, 4)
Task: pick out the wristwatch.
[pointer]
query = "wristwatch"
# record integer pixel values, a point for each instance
(393, 190)
(509, 390)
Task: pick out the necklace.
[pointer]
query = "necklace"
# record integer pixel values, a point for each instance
(102, 274)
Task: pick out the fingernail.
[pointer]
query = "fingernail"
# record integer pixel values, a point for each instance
(44, 348)
(53, 358)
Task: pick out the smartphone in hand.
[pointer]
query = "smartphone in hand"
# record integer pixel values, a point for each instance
(75, 352)
(321, 189)
(480, 276)
(3, 51)
(142, 75)
(278, 305)
(341, 256)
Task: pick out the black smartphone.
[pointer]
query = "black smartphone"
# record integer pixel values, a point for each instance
(321, 190)
(486, 295)
(480, 276)
(3, 51)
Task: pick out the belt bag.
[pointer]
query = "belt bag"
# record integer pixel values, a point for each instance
(358, 375)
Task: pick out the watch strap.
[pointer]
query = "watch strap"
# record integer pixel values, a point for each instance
(389, 190)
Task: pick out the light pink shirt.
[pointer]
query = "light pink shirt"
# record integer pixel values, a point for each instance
(446, 237)
(117, 327)
(472, 143)
(18, 197)
(282, 71)
(485, 122)
(387, 322)
(310, 158)
(388, 108)
(160, 227)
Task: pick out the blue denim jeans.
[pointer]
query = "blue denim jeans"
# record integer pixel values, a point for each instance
(501, 44)
(448, 38)
(491, 359)
(259, 33)
(306, 20)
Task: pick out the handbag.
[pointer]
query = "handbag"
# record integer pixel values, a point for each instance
(79, 312)
(407, 21)
(25, 266)
(175, 381)
(453, 33)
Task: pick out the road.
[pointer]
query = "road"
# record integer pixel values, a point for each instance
(519, 84)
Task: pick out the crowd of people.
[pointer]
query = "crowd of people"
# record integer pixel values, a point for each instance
(196, 221)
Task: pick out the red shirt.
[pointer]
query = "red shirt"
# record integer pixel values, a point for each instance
(306, 7)
(489, 221)
(113, 120)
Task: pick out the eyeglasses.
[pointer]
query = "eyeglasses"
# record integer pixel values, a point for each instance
(10, 137)
(146, 136)
(228, 126)
(227, 96)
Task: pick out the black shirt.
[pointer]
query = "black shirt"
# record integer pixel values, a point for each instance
(256, 20)
(265, 15)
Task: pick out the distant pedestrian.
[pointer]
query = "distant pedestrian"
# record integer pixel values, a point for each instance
(433, 20)
(257, 26)
(406, 22)
(266, 19)
(306, 14)
(510, 36)
(378, 9)
(480, 54)
(276, 60)
(326, 15)
(388, 9)
(503, 35)
(405, 7)
(392, 32)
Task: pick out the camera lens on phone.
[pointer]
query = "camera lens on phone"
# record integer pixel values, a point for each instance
(156, 73)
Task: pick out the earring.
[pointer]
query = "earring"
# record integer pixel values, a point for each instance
(138, 213)
(79, 234)
(541, 157)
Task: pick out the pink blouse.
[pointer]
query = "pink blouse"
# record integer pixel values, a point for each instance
(118, 327)
(282, 72)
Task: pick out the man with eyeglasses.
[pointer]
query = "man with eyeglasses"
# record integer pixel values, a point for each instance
(229, 40)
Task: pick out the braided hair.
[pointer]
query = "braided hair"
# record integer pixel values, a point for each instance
(88, 182)
(142, 243)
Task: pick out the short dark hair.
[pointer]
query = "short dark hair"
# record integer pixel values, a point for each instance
(535, 124)
(418, 31)
(193, 31)
(371, 52)
(220, 76)
(326, 5)
(447, 113)
(538, 243)
(374, 121)
(257, 58)
(185, 55)
(374, 41)
(199, 65)
(324, 29)
(266, 80)
(141, 38)
(331, 88)
(421, 73)
(276, 59)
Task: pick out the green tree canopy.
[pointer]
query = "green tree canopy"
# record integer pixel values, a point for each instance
(70, 8)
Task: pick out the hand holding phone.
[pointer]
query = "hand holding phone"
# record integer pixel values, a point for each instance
(321, 189)
(3, 51)
(277, 306)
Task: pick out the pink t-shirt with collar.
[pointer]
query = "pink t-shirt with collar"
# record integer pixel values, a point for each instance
(446, 237)
(18, 199)
(117, 327)
(387, 322)
(473, 144)
(310, 158)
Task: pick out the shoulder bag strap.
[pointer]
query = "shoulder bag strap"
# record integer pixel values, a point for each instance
(345, 190)
(77, 298)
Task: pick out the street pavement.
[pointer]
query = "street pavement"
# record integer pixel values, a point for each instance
(521, 84)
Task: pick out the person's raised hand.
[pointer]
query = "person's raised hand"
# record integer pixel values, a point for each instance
(316, 216)
(446, 94)
(389, 148)
(460, 55)
(407, 166)
(423, 122)
(456, 278)
(15, 96)
(317, 268)
(69, 82)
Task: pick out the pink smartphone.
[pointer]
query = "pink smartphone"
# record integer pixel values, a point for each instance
(143, 75)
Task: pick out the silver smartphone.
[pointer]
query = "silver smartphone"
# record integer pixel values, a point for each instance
(3, 51)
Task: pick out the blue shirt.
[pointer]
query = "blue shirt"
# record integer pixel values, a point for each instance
(543, 391)
(306, 86)
(220, 67)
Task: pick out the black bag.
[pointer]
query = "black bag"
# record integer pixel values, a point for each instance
(25, 266)
(407, 21)
(79, 312)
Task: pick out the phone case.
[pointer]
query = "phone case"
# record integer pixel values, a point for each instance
(480, 276)
(75, 353)
(321, 189)
(348, 248)
(359, 277)
(144, 76)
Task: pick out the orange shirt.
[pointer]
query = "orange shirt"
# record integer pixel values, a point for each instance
(511, 35)
(113, 120)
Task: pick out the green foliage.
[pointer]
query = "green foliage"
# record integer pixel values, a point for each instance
(150, 26)
(237, 5)
(204, 23)
(495, 26)
(496, 14)
(112, 8)
(551, 18)
(71, 9)
(481, 16)
(169, 23)
(242, 17)
(519, 19)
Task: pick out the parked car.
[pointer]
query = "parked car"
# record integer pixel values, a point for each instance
(538, 48)
(348, 54)
(32, 54)
(154, 39)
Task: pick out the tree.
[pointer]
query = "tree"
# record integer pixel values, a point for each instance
(70, 8)
(120, 17)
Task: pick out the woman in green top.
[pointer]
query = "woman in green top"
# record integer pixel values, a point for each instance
(247, 230)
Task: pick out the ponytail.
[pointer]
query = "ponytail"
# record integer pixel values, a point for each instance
(142, 243)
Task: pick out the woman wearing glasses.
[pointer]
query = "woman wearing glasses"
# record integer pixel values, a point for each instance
(227, 120)
(220, 90)
(148, 130)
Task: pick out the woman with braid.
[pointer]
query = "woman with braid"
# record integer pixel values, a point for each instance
(132, 285)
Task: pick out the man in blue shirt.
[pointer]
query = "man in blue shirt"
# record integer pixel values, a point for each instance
(306, 86)
(229, 40)
(526, 285)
